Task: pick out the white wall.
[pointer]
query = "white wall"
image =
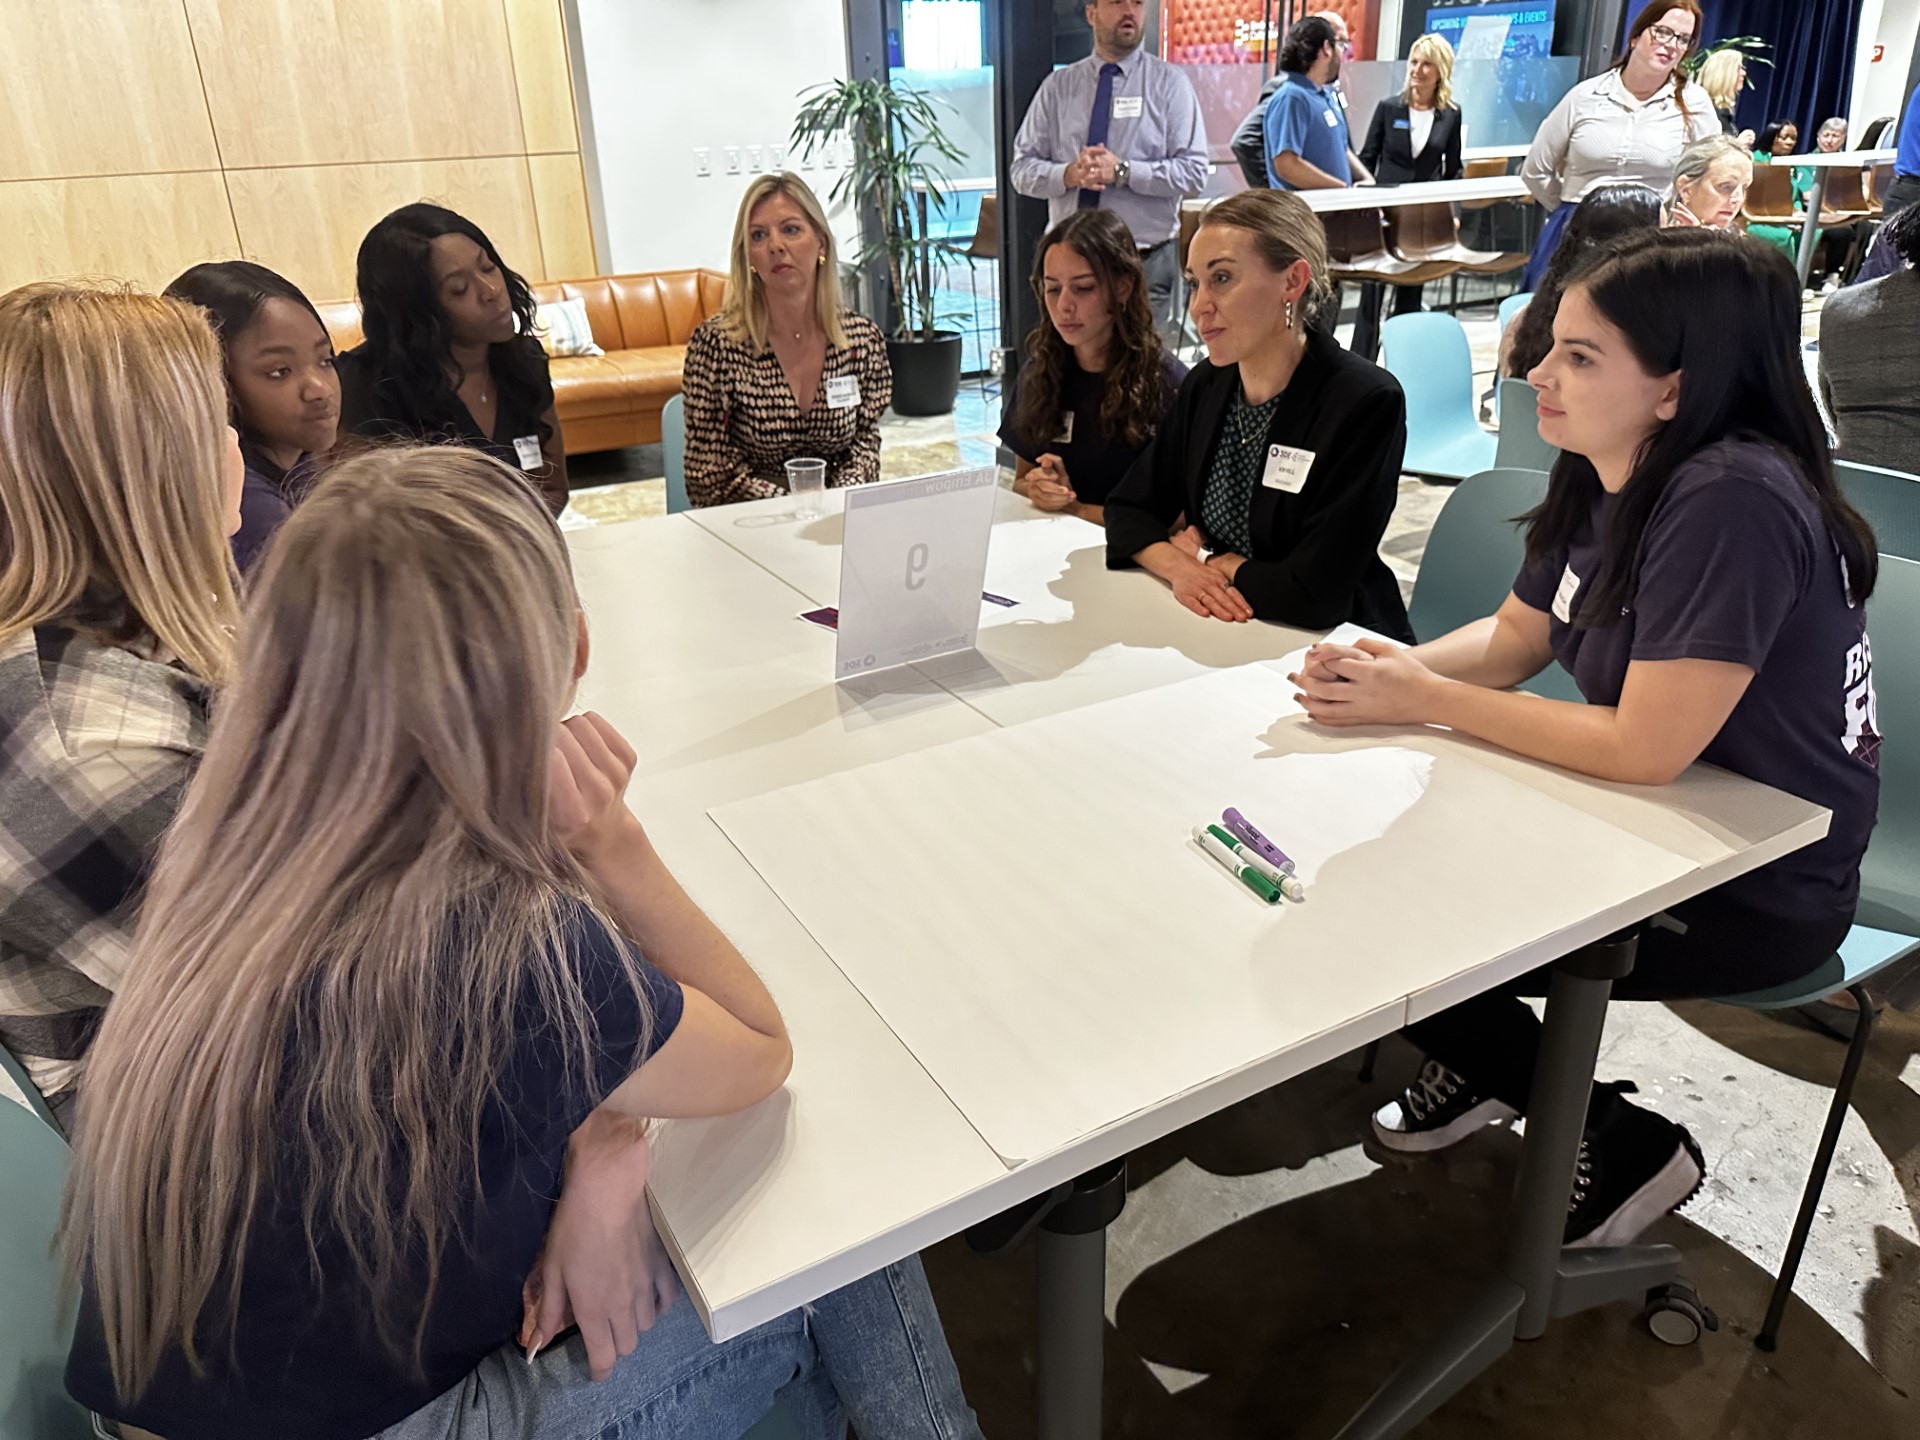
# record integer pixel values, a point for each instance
(664, 77)
(1881, 89)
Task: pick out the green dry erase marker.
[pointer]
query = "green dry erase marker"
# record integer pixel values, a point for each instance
(1245, 874)
(1279, 879)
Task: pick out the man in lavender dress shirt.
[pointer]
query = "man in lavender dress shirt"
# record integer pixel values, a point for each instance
(1120, 130)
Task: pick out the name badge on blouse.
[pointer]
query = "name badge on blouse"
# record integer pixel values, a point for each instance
(843, 392)
(1128, 107)
(527, 449)
(1065, 437)
(1563, 597)
(1286, 469)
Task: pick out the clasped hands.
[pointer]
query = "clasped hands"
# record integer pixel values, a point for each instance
(1094, 168)
(1372, 682)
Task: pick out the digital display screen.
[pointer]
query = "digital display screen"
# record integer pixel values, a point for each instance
(1494, 29)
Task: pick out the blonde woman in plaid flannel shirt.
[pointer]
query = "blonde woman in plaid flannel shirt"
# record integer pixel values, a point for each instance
(119, 484)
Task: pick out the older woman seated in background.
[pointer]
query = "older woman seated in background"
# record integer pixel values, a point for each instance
(1870, 354)
(1710, 184)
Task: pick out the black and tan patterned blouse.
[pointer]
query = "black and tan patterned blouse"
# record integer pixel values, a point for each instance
(743, 423)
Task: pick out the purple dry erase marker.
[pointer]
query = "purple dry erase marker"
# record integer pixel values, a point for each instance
(1242, 830)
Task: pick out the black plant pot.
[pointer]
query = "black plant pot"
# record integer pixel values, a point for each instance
(926, 373)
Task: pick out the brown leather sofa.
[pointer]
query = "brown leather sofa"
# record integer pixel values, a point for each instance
(643, 322)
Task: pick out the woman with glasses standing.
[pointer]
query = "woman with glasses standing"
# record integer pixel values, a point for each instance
(1629, 123)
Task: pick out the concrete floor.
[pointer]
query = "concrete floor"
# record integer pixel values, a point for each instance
(1268, 1274)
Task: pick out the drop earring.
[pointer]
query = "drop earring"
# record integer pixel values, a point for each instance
(1289, 314)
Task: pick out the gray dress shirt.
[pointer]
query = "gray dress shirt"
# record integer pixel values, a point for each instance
(1599, 134)
(1165, 143)
(1870, 369)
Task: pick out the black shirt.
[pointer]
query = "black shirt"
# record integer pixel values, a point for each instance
(1094, 462)
(266, 500)
(309, 1367)
(1316, 548)
(371, 405)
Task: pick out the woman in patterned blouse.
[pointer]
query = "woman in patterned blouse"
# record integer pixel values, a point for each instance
(782, 334)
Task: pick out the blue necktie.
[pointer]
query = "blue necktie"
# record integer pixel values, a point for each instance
(1100, 123)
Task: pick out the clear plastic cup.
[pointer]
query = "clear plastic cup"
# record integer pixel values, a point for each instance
(807, 482)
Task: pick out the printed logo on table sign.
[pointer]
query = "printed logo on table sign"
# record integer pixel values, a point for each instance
(1862, 739)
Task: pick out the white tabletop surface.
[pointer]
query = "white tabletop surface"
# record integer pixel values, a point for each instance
(1839, 158)
(1423, 192)
(862, 1158)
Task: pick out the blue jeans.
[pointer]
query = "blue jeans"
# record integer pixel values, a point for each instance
(872, 1352)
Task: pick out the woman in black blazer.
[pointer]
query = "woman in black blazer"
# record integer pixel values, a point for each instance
(1268, 486)
(1416, 137)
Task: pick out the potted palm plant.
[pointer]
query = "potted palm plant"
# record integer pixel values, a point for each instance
(895, 176)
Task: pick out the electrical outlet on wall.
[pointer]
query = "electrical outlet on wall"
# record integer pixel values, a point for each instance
(733, 159)
(830, 154)
(776, 157)
(753, 159)
(702, 160)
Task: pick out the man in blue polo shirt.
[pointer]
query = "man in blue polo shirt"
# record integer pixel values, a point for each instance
(1308, 147)
(1905, 189)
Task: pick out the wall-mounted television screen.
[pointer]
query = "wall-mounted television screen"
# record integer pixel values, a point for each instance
(1493, 29)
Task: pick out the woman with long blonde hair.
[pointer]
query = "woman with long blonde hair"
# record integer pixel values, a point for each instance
(408, 964)
(119, 485)
(785, 371)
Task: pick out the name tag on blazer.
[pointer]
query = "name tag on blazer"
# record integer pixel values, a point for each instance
(1286, 469)
(843, 392)
(1128, 107)
(1403, 124)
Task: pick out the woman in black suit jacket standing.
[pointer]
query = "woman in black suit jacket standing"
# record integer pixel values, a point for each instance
(1269, 484)
(1416, 137)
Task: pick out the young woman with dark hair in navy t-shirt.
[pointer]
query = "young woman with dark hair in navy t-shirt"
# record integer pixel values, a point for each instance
(361, 1147)
(1696, 570)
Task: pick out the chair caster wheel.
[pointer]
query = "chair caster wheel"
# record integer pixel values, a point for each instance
(1675, 1314)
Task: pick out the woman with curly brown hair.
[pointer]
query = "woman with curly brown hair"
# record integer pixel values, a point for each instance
(1097, 380)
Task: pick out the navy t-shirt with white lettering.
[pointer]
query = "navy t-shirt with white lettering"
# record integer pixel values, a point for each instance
(308, 1365)
(1737, 565)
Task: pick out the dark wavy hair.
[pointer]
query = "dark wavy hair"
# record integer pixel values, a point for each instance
(1723, 311)
(1304, 42)
(1902, 234)
(232, 292)
(1136, 363)
(408, 348)
(1606, 213)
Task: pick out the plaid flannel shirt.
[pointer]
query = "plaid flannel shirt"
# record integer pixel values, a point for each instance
(96, 746)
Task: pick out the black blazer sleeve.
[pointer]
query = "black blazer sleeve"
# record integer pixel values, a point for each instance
(1376, 137)
(1452, 168)
(1141, 509)
(1349, 497)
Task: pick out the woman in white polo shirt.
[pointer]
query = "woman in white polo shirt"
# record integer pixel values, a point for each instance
(1629, 123)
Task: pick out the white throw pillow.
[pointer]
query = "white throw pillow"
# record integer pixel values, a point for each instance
(563, 329)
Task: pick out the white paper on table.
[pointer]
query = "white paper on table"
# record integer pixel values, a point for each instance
(1027, 912)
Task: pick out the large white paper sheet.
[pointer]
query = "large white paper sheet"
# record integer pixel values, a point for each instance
(1026, 911)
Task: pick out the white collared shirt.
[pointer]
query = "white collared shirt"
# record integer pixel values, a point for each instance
(1599, 134)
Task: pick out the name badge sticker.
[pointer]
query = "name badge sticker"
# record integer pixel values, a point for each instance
(1065, 437)
(1286, 469)
(526, 449)
(1333, 119)
(1128, 107)
(1563, 597)
(1403, 124)
(843, 392)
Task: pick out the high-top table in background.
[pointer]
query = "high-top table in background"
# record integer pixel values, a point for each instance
(863, 1157)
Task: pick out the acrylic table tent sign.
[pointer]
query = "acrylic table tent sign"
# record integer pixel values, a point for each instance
(912, 558)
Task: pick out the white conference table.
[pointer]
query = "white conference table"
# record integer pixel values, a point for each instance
(862, 1159)
(1425, 192)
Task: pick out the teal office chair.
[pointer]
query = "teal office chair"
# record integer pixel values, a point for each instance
(34, 1333)
(1519, 446)
(1473, 551)
(1888, 919)
(1511, 306)
(673, 450)
(1890, 500)
(36, 1102)
(1429, 355)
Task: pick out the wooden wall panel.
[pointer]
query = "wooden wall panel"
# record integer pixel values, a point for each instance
(539, 41)
(560, 209)
(300, 82)
(143, 228)
(99, 87)
(307, 222)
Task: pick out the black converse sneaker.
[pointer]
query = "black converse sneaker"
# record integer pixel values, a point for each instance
(1436, 1111)
(1631, 1171)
